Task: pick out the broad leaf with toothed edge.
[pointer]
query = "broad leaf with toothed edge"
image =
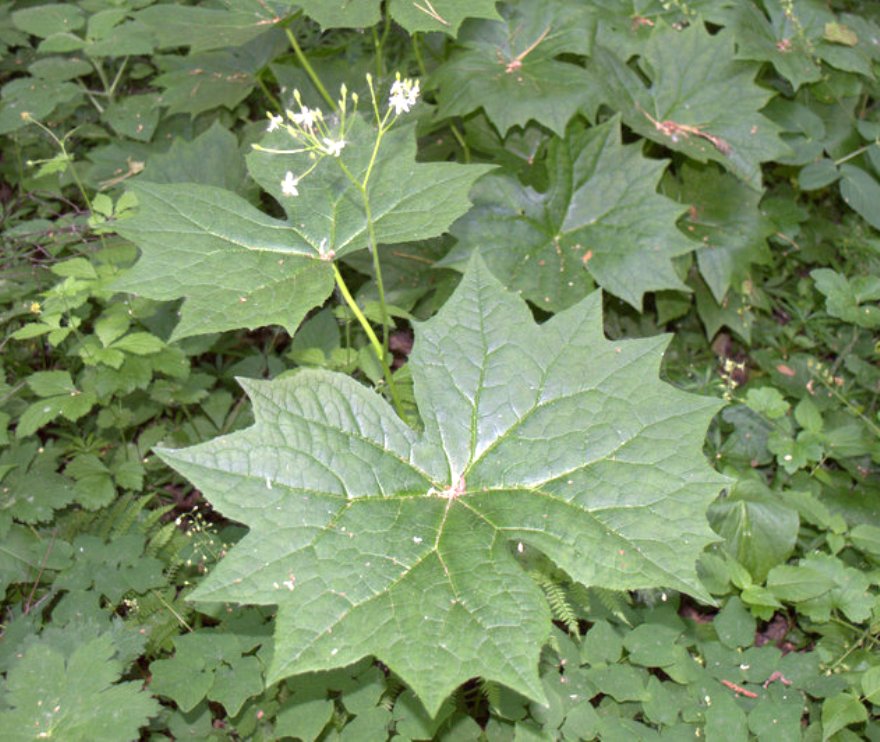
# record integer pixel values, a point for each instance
(600, 219)
(373, 539)
(700, 100)
(413, 15)
(513, 70)
(237, 267)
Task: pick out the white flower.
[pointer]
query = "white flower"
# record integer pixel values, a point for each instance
(274, 122)
(306, 117)
(332, 147)
(404, 94)
(289, 184)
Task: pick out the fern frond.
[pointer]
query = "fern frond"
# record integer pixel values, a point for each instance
(561, 609)
(614, 601)
(152, 518)
(131, 515)
(491, 691)
(160, 539)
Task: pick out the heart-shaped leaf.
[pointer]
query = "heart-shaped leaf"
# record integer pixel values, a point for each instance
(373, 539)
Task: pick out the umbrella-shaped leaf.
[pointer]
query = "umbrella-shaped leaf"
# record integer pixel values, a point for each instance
(237, 267)
(512, 68)
(701, 101)
(373, 539)
(601, 213)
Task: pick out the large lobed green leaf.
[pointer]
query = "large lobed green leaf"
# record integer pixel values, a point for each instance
(237, 267)
(512, 70)
(75, 698)
(724, 215)
(600, 219)
(701, 101)
(413, 15)
(375, 540)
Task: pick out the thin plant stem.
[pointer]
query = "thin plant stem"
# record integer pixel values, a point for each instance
(856, 153)
(379, 43)
(313, 76)
(100, 71)
(111, 91)
(459, 137)
(377, 269)
(417, 51)
(181, 620)
(864, 636)
(371, 231)
(374, 341)
(67, 157)
(378, 46)
(276, 104)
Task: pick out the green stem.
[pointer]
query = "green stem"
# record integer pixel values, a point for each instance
(420, 61)
(100, 70)
(276, 104)
(371, 230)
(379, 43)
(866, 634)
(112, 90)
(374, 341)
(856, 153)
(459, 137)
(377, 269)
(313, 76)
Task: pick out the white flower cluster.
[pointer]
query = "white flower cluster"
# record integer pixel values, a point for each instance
(404, 94)
(312, 134)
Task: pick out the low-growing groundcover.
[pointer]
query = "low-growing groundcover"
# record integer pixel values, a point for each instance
(440, 370)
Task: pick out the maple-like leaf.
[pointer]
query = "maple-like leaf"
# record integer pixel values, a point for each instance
(414, 15)
(700, 101)
(512, 68)
(373, 539)
(784, 40)
(205, 29)
(75, 698)
(601, 213)
(237, 267)
(724, 215)
(625, 25)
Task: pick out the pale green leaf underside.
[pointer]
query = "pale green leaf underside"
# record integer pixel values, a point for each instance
(697, 83)
(375, 540)
(600, 219)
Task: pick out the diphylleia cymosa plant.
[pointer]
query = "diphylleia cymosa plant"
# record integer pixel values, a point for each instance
(313, 134)
(372, 538)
